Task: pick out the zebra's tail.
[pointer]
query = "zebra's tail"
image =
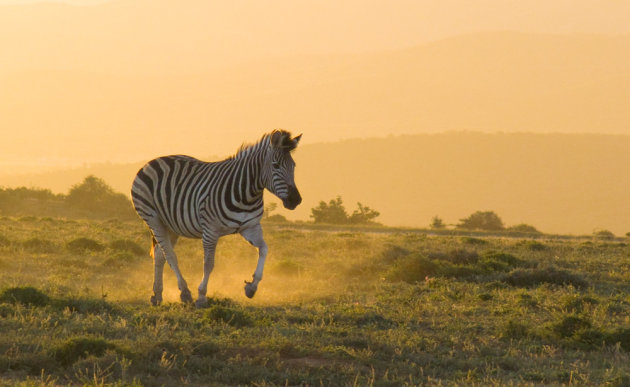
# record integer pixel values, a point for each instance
(153, 243)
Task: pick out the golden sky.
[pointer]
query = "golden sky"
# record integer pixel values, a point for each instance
(124, 81)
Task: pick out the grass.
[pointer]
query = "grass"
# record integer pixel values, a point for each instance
(341, 307)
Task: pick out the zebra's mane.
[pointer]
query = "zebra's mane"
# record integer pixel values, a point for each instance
(245, 149)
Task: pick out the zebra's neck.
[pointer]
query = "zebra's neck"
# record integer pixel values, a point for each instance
(248, 164)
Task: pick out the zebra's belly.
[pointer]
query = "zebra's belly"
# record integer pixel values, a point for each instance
(188, 229)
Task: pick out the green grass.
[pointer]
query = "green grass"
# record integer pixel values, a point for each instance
(340, 307)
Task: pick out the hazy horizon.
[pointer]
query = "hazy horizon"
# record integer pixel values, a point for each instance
(124, 81)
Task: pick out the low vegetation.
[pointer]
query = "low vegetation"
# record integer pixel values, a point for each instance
(334, 308)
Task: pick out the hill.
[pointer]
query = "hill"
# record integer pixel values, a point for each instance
(499, 81)
(560, 183)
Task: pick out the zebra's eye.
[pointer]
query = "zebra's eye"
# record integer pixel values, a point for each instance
(275, 165)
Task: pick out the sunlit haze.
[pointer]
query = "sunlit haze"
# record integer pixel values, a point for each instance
(108, 85)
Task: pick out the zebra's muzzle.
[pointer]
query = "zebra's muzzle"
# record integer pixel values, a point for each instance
(293, 199)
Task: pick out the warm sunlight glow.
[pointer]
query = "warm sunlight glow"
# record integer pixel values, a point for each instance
(103, 88)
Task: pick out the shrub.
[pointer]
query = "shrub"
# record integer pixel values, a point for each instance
(393, 252)
(85, 305)
(523, 228)
(482, 220)
(95, 198)
(42, 246)
(332, 212)
(412, 269)
(76, 348)
(474, 241)
(228, 315)
(514, 330)
(533, 245)
(457, 256)
(126, 245)
(26, 295)
(498, 261)
(549, 275)
(570, 325)
(437, 223)
(4, 241)
(604, 235)
(276, 218)
(363, 215)
(621, 336)
(84, 245)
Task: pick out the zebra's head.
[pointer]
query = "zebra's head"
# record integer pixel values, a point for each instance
(280, 168)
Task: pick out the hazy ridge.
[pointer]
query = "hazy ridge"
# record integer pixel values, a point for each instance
(562, 183)
(500, 81)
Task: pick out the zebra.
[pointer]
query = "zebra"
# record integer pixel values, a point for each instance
(182, 196)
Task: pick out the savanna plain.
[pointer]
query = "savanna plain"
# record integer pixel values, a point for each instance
(360, 306)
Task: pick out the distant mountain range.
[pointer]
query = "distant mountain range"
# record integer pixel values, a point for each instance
(562, 183)
(501, 81)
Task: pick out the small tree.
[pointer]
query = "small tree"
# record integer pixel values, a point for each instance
(94, 197)
(524, 228)
(437, 223)
(363, 215)
(269, 208)
(482, 220)
(332, 212)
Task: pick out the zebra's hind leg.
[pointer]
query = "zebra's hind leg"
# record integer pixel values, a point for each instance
(254, 236)
(209, 247)
(165, 242)
(158, 270)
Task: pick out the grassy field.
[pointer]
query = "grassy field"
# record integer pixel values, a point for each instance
(335, 308)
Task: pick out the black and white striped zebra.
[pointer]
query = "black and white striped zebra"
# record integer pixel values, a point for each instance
(182, 196)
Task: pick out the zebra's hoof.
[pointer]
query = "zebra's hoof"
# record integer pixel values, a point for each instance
(155, 301)
(201, 303)
(250, 289)
(186, 297)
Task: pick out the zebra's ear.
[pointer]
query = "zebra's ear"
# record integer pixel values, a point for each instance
(296, 140)
(278, 139)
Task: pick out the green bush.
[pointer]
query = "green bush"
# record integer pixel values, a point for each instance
(570, 325)
(393, 252)
(604, 235)
(84, 245)
(619, 335)
(533, 245)
(26, 295)
(41, 246)
(228, 315)
(547, 275)
(523, 228)
(482, 220)
(411, 269)
(456, 256)
(4, 241)
(497, 261)
(474, 241)
(126, 245)
(85, 305)
(514, 330)
(76, 348)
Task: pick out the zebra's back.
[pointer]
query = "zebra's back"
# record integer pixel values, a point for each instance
(171, 187)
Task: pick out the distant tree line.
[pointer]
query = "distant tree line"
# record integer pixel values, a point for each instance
(483, 221)
(334, 212)
(92, 198)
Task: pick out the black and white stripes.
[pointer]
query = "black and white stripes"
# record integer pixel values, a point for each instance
(183, 196)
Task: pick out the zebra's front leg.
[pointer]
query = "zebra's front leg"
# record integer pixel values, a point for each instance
(254, 236)
(158, 270)
(209, 247)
